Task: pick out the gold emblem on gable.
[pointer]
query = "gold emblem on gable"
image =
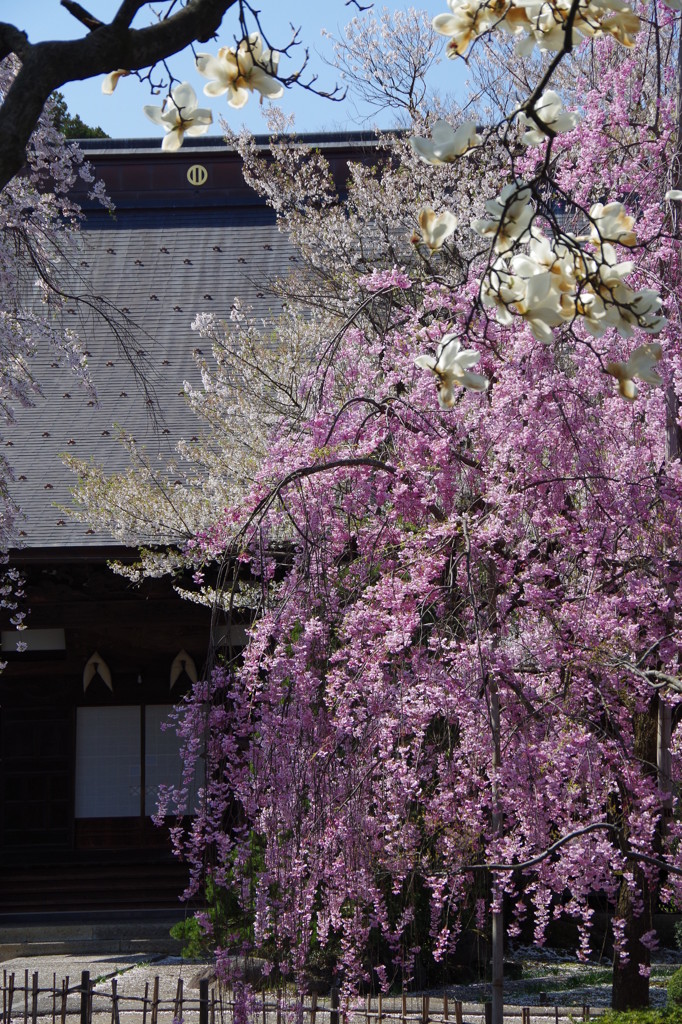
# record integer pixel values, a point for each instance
(197, 174)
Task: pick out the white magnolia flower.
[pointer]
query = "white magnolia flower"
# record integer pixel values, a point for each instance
(609, 280)
(547, 21)
(610, 223)
(240, 72)
(111, 80)
(591, 309)
(436, 228)
(451, 367)
(543, 257)
(642, 364)
(467, 21)
(550, 112)
(623, 26)
(674, 195)
(512, 216)
(180, 116)
(502, 290)
(446, 143)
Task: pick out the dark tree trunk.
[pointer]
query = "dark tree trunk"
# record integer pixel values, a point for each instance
(630, 989)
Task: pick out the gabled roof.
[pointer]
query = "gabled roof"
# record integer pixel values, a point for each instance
(181, 242)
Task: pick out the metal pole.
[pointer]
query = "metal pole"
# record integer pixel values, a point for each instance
(498, 916)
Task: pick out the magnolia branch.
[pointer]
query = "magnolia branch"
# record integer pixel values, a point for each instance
(47, 66)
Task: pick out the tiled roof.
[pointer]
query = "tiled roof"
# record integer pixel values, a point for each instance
(159, 267)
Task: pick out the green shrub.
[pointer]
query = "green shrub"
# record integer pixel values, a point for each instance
(193, 937)
(671, 1015)
(678, 934)
(675, 989)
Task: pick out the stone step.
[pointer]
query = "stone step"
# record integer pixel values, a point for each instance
(56, 934)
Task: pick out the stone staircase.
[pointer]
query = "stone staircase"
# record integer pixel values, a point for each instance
(84, 933)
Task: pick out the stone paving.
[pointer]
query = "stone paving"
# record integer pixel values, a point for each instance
(133, 976)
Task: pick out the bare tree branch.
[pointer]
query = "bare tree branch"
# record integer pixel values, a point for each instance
(80, 14)
(603, 825)
(47, 66)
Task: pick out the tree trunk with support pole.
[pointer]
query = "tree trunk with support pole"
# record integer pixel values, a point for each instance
(630, 992)
(498, 915)
(630, 987)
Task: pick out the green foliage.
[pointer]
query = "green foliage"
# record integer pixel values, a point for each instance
(671, 1015)
(678, 934)
(193, 938)
(675, 990)
(70, 125)
(223, 914)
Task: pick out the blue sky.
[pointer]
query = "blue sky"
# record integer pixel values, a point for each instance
(121, 115)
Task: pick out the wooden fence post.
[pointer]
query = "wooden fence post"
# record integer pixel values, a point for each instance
(458, 1011)
(203, 1001)
(115, 1018)
(488, 1011)
(34, 997)
(7, 996)
(85, 997)
(155, 1001)
(334, 1011)
(177, 1008)
(65, 996)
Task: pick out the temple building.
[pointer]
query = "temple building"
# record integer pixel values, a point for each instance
(82, 752)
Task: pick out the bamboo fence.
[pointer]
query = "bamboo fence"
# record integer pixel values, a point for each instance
(25, 1001)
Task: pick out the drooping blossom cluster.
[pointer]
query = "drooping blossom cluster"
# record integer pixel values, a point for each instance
(515, 538)
(465, 606)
